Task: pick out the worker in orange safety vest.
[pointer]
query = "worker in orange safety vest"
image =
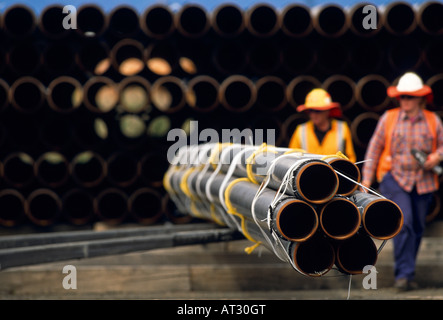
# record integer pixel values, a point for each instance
(323, 133)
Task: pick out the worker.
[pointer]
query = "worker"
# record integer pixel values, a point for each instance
(323, 133)
(401, 178)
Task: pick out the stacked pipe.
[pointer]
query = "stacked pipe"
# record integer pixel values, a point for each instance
(120, 81)
(305, 208)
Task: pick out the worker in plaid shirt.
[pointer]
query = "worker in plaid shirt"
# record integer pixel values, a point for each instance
(401, 178)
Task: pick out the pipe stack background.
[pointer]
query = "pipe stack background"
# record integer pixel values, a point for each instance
(84, 114)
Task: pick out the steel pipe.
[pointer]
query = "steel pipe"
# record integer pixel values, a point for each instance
(134, 94)
(151, 168)
(13, 205)
(366, 56)
(229, 57)
(111, 206)
(339, 218)
(43, 207)
(168, 94)
(405, 54)
(291, 219)
(314, 257)
(64, 94)
(52, 169)
(264, 57)
(431, 56)
(92, 21)
(271, 93)
(262, 20)
(51, 22)
(428, 17)
(157, 21)
(202, 93)
(4, 97)
(354, 253)
(77, 206)
(128, 57)
(145, 206)
(100, 94)
(333, 56)
(27, 94)
(192, 21)
(93, 57)
(123, 21)
(298, 56)
(24, 58)
(399, 18)
(19, 20)
(330, 20)
(237, 93)
(370, 92)
(341, 88)
(18, 169)
(296, 20)
(121, 169)
(362, 128)
(162, 58)
(88, 169)
(228, 20)
(381, 218)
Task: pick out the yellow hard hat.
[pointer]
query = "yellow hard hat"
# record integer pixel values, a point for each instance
(320, 99)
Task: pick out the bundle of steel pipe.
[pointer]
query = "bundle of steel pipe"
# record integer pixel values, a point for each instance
(303, 207)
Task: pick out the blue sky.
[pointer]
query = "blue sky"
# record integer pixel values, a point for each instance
(140, 5)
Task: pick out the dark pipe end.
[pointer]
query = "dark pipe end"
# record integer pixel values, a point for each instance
(383, 219)
(350, 170)
(316, 182)
(340, 218)
(355, 253)
(296, 220)
(314, 257)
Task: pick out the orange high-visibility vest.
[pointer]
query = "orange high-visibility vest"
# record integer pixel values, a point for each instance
(385, 161)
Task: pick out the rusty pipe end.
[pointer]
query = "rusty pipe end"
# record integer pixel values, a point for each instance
(355, 253)
(296, 220)
(316, 182)
(350, 170)
(382, 219)
(314, 257)
(340, 218)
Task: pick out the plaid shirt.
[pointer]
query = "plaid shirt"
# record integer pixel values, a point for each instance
(408, 133)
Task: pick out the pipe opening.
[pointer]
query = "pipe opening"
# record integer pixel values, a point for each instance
(340, 219)
(52, 169)
(307, 182)
(19, 21)
(145, 205)
(383, 219)
(27, 94)
(51, 22)
(271, 94)
(18, 169)
(262, 20)
(44, 207)
(78, 206)
(332, 21)
(88, 168)
(100, 94)
(237, 93)
(168, 94)
(349, 169)
(228, 20)
(158, 21)
(192, 21)
(297, 21)
(363, 127)
(264, 57)
(91, 21)
(94, 57)
(371, 92)
(430, 19)
(122, 169)
(24, 58)
(127, 57)
(400, 18)
(111, 205)
(65, 94)
(230, 57)
(314, 257)
(202, 93)
(355, 253)
(123, 21)
(12, 203)
(297, 221)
